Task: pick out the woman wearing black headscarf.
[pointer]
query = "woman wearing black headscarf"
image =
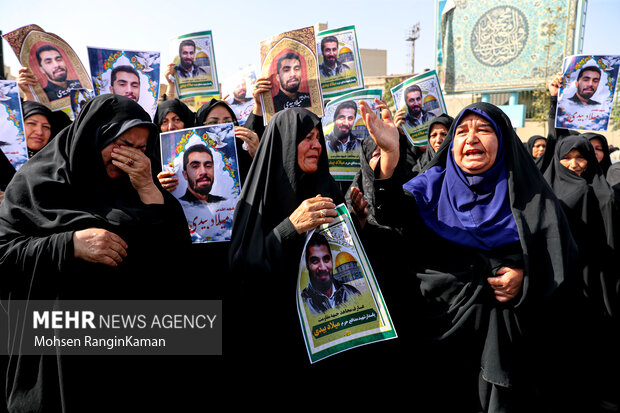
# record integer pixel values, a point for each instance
(437, 131)
(488, 243)
(289, 191)
(171, 115)
(590, 338)
(218, 111)
(536, 146)
(601, 150)
(80, 221)
(41, 125)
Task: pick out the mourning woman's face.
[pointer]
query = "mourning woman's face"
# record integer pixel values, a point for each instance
(574, 161)
(309, 152)
(475, 144)
(171, 122)
(136, 137)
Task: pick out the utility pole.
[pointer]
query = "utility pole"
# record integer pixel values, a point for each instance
(412, 36)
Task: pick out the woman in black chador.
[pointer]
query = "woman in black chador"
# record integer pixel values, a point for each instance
(488, 245)
(589, 308)
(80, 221)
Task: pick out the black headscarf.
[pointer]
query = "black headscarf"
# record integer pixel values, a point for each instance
(589, 204)
(605, 163)
(177, 107)
(58, 119)
(530, 147)
(443, 119)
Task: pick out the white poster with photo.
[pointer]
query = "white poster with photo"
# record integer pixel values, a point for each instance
(204, 160)
(587, 93)
(237, 91)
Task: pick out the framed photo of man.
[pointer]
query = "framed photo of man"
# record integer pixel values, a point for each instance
(13, 140)
(53, 62)
(195, 67)
(130, 73)
(340, 65)
(586, 95)
(421, 99)
(204, 159)
(339, 302)
(289, 61)
(345, 131)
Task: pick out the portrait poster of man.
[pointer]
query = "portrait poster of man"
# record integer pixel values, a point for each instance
(196, 73)
(340, 65)
(12, 138)
(237, 91)
(587, 93)
(289, 61)
(345, 131)
(130, 73)
(204, 159)
(339, 302)
(53, 62)
(421, 97)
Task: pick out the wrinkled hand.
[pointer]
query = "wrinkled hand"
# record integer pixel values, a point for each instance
(359, 205)
(507, 283)
(556, 83)
(249, 137)
(137, 166)
(313, 212)
(168, 180)
(99, 246)
(262, 85)
(25, 80)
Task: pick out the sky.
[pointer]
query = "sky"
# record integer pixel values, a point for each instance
(239, 26)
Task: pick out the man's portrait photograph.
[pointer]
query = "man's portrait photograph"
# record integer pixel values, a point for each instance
(52, 61)
(339, 61)
(133, 74)
(204, 159)
(587, 92)
(420, 99)
(195, 71)
(289, 61)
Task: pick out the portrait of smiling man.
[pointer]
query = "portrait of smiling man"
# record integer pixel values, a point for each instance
(53, 65)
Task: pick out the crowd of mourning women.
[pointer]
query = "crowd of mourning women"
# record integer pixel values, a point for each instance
(495, 254)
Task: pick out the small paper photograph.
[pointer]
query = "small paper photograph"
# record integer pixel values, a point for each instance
(237, 90)
(586, 96)
(421, 99)
(340, 64)
(196, 73)
(12, 137)
(53, 62)
(79, 98)
(289, 61)
(345, 131)
(204, 159)
(134, 74)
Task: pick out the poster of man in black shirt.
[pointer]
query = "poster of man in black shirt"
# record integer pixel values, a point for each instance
(54, 66)
(289, 74)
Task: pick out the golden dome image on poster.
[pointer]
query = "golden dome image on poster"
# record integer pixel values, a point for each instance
(347, 268)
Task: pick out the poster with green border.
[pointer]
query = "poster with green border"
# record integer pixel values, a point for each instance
(339, 302)
(196, 70)
(345, 130)
(422, 99)
(340, 64)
